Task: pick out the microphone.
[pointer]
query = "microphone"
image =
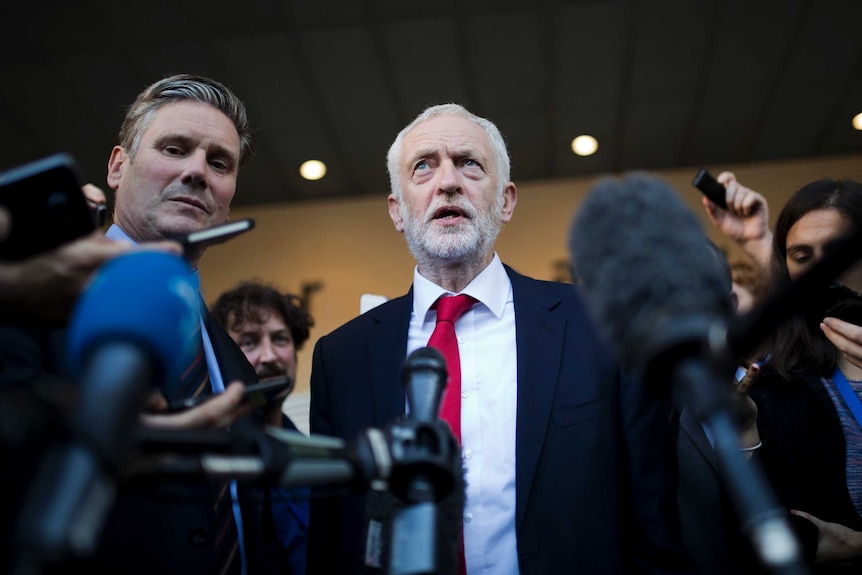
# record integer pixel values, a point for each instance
(132, 328)
(285, 458)
(414, 522)
(424, 376)
(647, 269)
(659, 293)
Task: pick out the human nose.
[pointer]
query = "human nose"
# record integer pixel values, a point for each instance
(449, 181)
(195, 170)
(267, 352)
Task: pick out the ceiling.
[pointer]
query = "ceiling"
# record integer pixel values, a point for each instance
(659, 83)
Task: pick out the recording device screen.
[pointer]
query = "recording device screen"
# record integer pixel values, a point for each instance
(844, 304)
(216, 234)
(711, 188)
(256, 394)
(47, 206)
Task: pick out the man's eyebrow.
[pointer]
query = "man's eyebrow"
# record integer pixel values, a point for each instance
(422, 153)
(215, 149)
(169, 137)
(456, 152)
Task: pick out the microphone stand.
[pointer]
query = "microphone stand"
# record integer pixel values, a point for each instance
(425, 456)
(417, 456)
(682, 355)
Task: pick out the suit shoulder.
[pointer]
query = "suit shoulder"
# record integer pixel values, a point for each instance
(547, 294)
(394, 310)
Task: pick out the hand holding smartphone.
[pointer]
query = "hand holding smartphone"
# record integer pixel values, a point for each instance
(843, 303)
(215, 235)
(257, 394)
(711, 188)
(47, 206)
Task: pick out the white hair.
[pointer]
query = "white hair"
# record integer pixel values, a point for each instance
(498, 145)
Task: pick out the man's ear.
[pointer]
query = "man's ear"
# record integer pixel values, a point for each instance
(116, 167)
(395, 213)
(510, 198)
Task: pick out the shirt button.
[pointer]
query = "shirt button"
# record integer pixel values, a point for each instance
(465, 393)
(468, 454)
(468, 517)
(461, 340)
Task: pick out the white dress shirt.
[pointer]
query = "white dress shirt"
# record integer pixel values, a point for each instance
(486, 344)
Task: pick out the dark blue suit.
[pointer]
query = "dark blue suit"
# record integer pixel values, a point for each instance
(594, 475)
(157, 526)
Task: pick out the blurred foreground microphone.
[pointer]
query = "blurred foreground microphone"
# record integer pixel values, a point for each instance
(414, 527)
(658, 292)
(650, 275)
(130, 330)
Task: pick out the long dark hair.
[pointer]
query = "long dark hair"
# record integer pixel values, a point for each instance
(795, 346)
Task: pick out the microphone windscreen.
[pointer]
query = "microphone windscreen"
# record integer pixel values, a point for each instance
(146, 298)
(641, 256)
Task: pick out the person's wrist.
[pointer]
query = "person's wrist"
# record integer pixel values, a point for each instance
(749, 440)
(764, 240)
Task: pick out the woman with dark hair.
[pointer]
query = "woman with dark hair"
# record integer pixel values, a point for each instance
(809, 415)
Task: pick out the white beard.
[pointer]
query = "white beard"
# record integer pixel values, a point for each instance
(472, 238)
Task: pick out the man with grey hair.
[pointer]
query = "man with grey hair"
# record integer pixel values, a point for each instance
(174, 171)
(568, 464)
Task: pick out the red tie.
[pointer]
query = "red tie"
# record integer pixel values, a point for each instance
(449, 309)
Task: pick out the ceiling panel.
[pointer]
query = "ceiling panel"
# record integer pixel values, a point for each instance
(506, 63)
(670, 42)
(427, 65)
(272, 81)
(660, 83)
(347, 70)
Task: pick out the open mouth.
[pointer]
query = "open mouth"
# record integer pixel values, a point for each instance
(450, 213)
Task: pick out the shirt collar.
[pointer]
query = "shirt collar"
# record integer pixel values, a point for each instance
(116, 233)
(491, 287)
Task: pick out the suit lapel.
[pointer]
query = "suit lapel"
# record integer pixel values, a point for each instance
(691, 427)
(232, 362)
(539, 339)
(387, 349)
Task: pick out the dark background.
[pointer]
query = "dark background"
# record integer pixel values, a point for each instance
(660, 83)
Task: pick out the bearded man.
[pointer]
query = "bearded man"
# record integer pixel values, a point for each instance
(568, 464)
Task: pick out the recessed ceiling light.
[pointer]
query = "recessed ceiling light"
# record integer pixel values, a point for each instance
(857, 121)
(312, 169)
(585, 145)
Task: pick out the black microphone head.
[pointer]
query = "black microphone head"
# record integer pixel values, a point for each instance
(642, 259)
(424, 375)
(423, 358)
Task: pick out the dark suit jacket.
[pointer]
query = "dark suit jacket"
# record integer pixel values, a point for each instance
(711, 529)
(803, 455)
(594, 475)
(164, 527)
(168, 527)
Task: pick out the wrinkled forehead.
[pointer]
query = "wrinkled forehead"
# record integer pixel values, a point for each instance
(452, 135)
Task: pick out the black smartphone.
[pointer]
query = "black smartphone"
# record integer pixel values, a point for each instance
(47, 206)
(215, 234)
(98, 213)
(843, 303)
(711, 188)
(261, 393)
(257, 394)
